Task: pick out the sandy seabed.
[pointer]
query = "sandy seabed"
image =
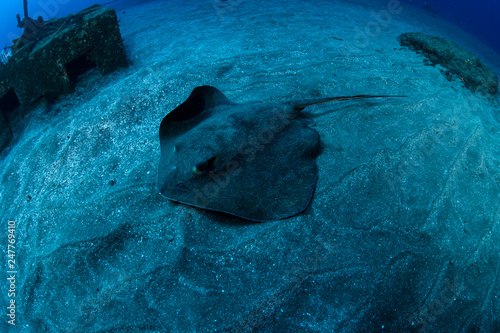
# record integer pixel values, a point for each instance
(403, 231)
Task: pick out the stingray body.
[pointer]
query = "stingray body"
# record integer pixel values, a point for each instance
(255, 160)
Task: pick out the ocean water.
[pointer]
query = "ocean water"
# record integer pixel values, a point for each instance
(48, 9)
(479, 18)
(403, 230)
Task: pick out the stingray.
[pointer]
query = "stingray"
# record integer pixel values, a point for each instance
(253, 160)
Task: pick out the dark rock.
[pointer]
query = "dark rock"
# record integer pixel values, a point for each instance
(5, 132)
(474, 74)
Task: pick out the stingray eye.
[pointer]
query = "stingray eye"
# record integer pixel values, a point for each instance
(206, 166)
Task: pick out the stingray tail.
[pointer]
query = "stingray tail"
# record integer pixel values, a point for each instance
(304, 104)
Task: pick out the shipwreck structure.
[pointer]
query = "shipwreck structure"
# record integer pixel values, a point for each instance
(50, 55)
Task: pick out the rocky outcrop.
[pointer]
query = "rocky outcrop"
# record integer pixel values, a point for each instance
(470, 70)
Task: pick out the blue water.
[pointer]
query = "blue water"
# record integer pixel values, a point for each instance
(48, 9)
(479, 17)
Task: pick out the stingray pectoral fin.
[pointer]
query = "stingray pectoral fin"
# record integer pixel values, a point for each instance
(305, 104)
(276, 183)
(201, 99)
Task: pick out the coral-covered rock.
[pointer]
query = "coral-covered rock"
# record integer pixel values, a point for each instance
(474, 74)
